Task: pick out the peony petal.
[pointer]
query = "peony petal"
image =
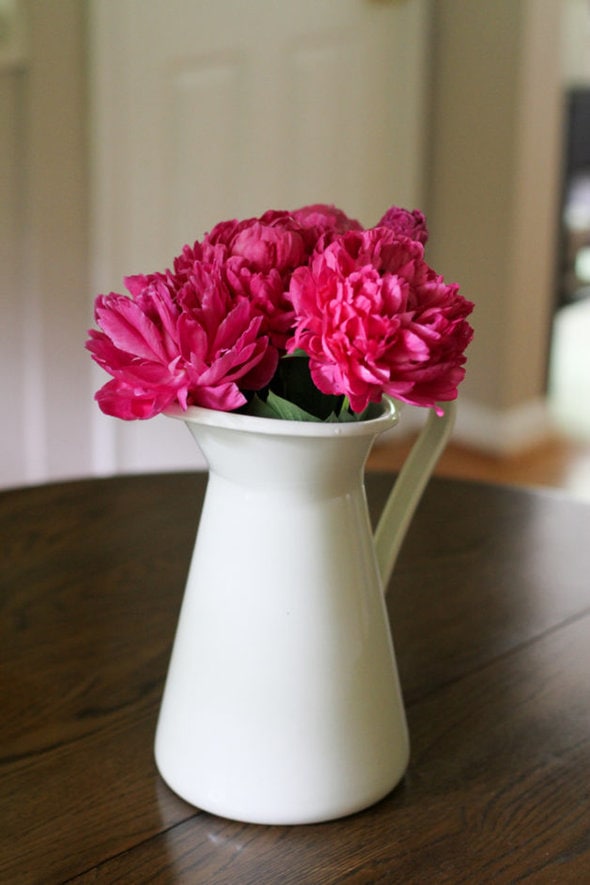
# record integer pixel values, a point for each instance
(129, 403)
(129, 328)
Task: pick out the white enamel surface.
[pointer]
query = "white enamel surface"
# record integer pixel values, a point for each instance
(282, 703)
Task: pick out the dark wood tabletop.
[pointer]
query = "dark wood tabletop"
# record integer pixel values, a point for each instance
(490, 613)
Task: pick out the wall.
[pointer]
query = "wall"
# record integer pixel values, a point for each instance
(45, 377)
(12, 307)
(575, 42)
(494, 174)
(492, 180)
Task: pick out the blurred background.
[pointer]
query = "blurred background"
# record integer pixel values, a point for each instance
(129, 127)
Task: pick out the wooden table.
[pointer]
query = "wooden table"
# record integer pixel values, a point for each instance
(490, 609)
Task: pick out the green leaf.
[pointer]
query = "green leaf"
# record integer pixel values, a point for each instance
(296, 386)
(276, 407)
(259, 408)
(287, 410)
(295, 397)
(346, 417)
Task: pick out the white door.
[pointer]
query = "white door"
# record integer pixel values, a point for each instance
(212, 109)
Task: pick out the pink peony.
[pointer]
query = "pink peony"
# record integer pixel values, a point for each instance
(274, 241)
(375, 318)
(267, 294)
(258, 256)
(189, 347)
(406, 224)
(320, 220)
(185, 263)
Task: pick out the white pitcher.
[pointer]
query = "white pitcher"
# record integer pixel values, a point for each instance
(282, 703)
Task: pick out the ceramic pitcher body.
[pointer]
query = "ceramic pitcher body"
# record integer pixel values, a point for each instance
(282, 703)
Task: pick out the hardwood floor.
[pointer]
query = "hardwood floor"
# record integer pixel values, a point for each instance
(561, 463)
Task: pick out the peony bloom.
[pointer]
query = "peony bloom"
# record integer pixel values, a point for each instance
(258, 256)
(184, 264)
(192, 346)
(374, 318)
(137, 345)
(406, 224)
(274, 241)
(320, 220)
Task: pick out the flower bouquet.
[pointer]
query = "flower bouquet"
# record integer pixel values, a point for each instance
(302, 315)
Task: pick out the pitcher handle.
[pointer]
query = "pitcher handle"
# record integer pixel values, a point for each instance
(409, 486)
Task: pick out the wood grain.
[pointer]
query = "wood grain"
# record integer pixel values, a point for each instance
(490, 611)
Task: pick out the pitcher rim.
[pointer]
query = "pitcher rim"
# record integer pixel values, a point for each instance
(281, 427)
